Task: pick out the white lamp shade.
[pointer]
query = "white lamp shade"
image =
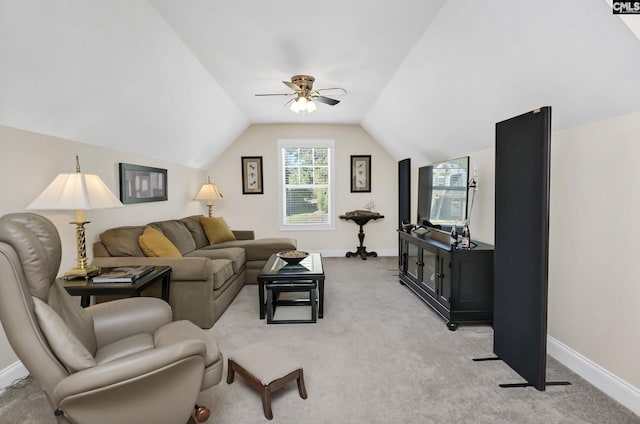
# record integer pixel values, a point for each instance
(76, 191)
(208, 191)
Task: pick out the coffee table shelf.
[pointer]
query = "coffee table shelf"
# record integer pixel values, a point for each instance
(277, 270)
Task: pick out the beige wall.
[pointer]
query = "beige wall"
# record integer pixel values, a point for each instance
(29, 162)
(260, 212)
(594, 292)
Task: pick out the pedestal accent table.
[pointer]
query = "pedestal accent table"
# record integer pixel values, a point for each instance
(361, 218)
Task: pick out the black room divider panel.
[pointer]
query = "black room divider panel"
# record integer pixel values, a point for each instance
(404, 192)
(522, 243)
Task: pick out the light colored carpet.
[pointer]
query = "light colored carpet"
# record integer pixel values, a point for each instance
(380, 355)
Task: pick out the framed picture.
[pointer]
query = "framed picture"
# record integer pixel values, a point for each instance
(142, 184)
(360, 173)
(252, 175)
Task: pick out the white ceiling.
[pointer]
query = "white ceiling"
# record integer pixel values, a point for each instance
(427, 79)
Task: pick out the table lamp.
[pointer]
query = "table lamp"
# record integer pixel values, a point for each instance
(208, 192)
(79, 192)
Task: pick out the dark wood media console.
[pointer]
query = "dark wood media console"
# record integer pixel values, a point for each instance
(456, 283)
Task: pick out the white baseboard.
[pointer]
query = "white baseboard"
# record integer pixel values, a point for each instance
(341, 253)
(611, 385)
(10, 374)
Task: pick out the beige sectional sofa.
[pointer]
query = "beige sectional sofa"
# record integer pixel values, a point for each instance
(207, 277)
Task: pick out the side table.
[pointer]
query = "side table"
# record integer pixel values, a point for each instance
(87, 288)
(361, 220)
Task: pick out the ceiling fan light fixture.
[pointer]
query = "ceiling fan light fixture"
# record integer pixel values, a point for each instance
(304, 96)
(311, 107)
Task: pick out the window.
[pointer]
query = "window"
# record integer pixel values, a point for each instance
(306, 184)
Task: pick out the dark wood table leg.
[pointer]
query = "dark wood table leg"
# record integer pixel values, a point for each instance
(320, 283)
(84, 301)
(166, 281)
(361, 250)
(261, 297)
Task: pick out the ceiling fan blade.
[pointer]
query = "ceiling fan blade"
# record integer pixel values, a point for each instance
(288, 103)
(276, 94)
(337, 91)
(292, 86)
(327, 100)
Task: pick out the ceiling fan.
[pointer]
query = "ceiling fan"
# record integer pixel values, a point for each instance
(304, 94)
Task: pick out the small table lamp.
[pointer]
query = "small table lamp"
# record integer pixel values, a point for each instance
(208, 192)
(79, 192)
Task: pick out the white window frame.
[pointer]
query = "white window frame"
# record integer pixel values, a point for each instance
(289, 143)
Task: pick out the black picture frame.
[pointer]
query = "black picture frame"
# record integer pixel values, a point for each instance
(360, 173)
(252, 175)
(139, 184)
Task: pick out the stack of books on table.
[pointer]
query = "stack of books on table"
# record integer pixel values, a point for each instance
(122, 274)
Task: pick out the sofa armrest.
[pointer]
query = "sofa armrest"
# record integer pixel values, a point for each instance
(244, 234)
(182, 269)
(99, 249)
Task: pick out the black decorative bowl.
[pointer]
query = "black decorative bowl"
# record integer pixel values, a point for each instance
(292, 257)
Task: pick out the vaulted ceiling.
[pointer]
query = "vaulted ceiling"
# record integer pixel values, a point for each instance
(428, 79)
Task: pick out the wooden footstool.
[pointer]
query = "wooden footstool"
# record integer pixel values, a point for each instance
(266, 369)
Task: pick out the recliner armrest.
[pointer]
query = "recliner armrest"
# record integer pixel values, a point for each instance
(125, 317)
(169, 377)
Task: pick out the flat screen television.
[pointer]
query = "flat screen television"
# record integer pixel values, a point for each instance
(443, 193)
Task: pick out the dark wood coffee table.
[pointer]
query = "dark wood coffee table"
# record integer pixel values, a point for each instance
(87, 288)
(310, 269)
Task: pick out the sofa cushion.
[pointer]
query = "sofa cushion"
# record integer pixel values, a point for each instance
(222, 271)
(154, 243)
(123, 241)
(197, 232)
(216, 229)
(178, 233)
(235, 254)
(260, 249)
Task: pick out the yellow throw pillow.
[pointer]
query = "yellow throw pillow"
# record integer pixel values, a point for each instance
(216, 229)
(154, 243)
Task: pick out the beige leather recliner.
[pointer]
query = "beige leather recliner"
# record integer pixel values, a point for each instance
(117, 362)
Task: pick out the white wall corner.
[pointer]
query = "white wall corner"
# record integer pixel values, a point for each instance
(10, 374)
(611, 385)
